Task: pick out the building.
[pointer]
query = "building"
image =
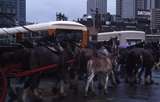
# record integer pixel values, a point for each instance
(145, 12)
(12, 12)
(155, 18)
(101, 5)
(118, 8)
(21, 12)
(155, 15)
(7, 13)
(131, 8)
(97, 6)
(128, 9)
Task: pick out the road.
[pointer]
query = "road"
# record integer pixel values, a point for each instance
(122, 93)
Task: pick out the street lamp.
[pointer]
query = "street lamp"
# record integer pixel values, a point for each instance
(97, 19)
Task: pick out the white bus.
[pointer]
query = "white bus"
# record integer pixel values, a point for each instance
(125, 38)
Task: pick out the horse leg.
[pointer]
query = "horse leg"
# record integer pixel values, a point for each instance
(113, 75)
(106, 83)
(89, 80)
(62, 88)
(31, 88)
(148, 76)
(139, 74)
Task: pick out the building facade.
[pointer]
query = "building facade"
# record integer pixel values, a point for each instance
(155, 14)
(155, 19)
(131, 8)
(21, 12)
(97, 6)
(145, 12)
(128, 11)
(7, 12)
(101, 5)
(12, 12)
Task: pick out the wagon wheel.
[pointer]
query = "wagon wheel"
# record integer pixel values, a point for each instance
(3, 87)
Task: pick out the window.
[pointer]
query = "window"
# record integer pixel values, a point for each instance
(69, 35)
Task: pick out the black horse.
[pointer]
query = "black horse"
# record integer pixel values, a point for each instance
(139, 60)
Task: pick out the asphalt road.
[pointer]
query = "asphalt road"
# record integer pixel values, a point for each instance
(122, 93)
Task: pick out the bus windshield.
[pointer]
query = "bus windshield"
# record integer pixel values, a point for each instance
(69, 35)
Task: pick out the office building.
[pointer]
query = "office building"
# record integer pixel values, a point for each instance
(155, 19)
(99, 6)
(155, 14)
(141, 10)
(21, 12)
(131, 8)
(12, 12)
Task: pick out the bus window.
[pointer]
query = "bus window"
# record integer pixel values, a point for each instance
(69, 35)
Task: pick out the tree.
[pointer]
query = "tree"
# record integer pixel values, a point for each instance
(61, 17)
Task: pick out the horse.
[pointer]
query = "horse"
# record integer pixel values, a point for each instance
(92, 62)
(55, 54)
(139, 60)
(98, 64)
(39, 56)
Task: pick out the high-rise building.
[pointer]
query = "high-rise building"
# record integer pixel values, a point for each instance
(7, 12)
(21, 12)
(157, 3)
(155, 13)
(140, 9)
(119, 8)
(92, 5)
(99, 6)
(155, 19)
(12, 12)
(130, 8)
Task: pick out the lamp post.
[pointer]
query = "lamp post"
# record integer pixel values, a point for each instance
(97, 19)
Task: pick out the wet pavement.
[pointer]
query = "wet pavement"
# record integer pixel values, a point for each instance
(122, 93)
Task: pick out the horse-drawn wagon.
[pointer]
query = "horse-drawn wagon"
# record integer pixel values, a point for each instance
(37, 48)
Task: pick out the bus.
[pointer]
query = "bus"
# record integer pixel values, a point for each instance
(152, 37)
(58, 29)
(126, 38)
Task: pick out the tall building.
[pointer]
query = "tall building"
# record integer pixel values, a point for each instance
(157, 3)
(128, 11)
(7, 13)
(99, 5)
(155, 14)
(130, 8)
(119, 8)
(12, 12)
(155, 19)
(140, 9)
(21, 12)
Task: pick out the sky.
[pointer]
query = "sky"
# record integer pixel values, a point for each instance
(45, 10)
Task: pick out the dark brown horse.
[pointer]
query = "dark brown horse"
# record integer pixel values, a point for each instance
(139, 60)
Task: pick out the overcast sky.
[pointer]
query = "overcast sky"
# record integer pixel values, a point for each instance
(45, 10)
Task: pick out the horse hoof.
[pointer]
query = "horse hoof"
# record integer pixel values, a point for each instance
(105, 92)
(63, 95)
(152, 82)
(85, 95)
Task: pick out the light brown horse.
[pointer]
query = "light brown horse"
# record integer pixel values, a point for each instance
(97, 63)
